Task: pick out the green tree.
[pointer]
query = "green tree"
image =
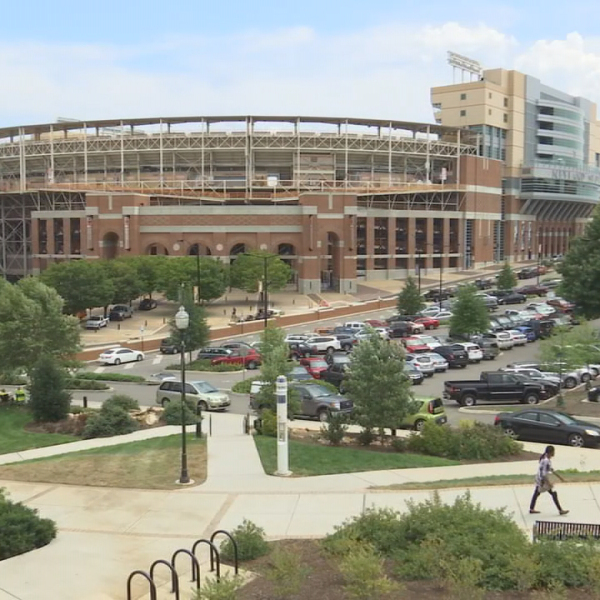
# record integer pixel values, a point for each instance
(378, 386)
(126, 282)
(275, 361)
(148, 269)
(507, 279)
(183, 269)
(197, 334)
(410, 301)
(49, 401)
(580, 270)
(469, 313)
(83, 284)
(248, 271)
(33, 324)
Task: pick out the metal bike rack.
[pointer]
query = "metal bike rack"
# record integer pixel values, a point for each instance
(174, 575)
(195, 564)
(145, 575)
(213, 548)
(235, 548)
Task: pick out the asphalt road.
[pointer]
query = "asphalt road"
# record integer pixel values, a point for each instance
(155, 362)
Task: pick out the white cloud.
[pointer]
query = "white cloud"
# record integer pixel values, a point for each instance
(378, 72)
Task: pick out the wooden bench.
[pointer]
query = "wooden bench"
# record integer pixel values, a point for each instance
(564, 530)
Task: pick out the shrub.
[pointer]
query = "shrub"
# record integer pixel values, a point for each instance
(122, 401)
(364, 574)
(250, 540)
(268, 423)
(21, 529)
(463, 577)
(224, 589)
(84, 384)
(49, 399)
(111, 420)
(12, 378)
(477, 441)
(366, 437)
(110, 377)
(205, 365)
(399, 444)
(242, 387)
(334, 430)
(172, 412)
(286, 573)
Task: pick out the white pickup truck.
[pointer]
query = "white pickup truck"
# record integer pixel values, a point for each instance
(96, 322)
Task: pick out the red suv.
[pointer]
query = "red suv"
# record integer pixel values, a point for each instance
(428, 322)
(315, 365)
(250, 359)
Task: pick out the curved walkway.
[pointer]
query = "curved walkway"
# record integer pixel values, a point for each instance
(105, 533)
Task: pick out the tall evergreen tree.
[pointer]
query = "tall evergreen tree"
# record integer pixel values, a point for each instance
(410, 301)
(469, 313)
(507, 279)
(49, 400)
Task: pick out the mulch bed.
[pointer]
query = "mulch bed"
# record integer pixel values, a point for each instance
(324, 581)
(351, 441)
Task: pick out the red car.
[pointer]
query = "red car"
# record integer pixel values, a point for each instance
(376, 323)
(250, 359)
(314, 365)
(428, 322)
(415, 345)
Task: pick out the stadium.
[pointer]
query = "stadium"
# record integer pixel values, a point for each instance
(343, 200)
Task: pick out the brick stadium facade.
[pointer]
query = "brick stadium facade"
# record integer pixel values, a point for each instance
(343, 200)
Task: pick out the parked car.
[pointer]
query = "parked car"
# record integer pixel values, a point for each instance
(335, 375)
(502, 338)
(347, 340)
(496, 386)
(96, 322)
(512, 298)
(427, 322)
(483, 284)
(240, 346)
(204, 394)
(299, 373)
(535, 374)
(560, 304)
(400, 329)
(518, 337)
(415, 375)
(429, 340)
(354, 325)
(169, 346)
(489, 347)
(435, 295)
(421, 362)
(316, 401)
(552, 283)
(415, 345)
(549, 427)
(296, 337)
(315, 365)
(527, 273)
(532, 290)
(439, 362)
(474, 352)
(326, 344)
(541, 308)
(120, 312)
(210, 352)
(570, 377)
(376, 323)
(158, 378)
(455, 355)
(249, 359)
(337, 358)
(444, 315)
(299, 349)
(430, 311)
(409, 319)
(116, 356)
(491, 302)
(147, 304)
(429, 410)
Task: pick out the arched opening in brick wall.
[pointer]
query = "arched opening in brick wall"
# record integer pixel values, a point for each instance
(331, 266)
(110, 245)
(200, 249)
(157, 250)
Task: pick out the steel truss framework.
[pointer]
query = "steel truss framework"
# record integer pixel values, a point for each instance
(557, 210)
(15, 225)
(447, 200)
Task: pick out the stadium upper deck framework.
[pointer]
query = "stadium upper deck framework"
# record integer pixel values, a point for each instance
(188, 160)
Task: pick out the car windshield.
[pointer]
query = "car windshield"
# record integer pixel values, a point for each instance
(205, 387)
(318, 363)
(318, 391)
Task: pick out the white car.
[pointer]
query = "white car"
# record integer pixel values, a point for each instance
(384, 332)
(296, 337)
(439, 362)
(324, 343)
(431, 311)
(518, 338)
(540, 308)
(444, 315)
(116, 356)
(428, 340)
(474, 352)
(503, 339)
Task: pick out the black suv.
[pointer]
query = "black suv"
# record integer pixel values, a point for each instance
(299, 350)
(347, 340)
(455, 354)
(335, 375)
(168, 346)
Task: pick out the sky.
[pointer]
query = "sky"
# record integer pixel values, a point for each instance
(88, 60)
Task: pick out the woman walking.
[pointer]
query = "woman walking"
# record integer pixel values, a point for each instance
(543, 483)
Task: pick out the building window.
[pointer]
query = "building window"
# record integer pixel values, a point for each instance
(505, 118)
(505, 102)
(463, 96)
(463, 113)
(489, 111)
(490, 95)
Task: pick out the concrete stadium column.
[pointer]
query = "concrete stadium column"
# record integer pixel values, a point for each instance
(429, 240)
(370, 244)
(67, 236)
(50, 236)
(411, 246)
(391, 244)
(446, 242)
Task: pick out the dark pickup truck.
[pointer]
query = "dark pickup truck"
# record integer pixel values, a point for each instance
(494, 386)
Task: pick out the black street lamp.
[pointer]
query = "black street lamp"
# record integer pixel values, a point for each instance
(182, 322)
(265, 258)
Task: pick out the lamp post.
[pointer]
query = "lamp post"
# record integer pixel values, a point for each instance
(419, 252)
(265, 258)
(197, 264)
(182, 322)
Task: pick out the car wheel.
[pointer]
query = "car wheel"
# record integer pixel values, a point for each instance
(419, 424)
(429, 375)
(330, 350)
(139, 357)
(323, 415)
(117, 361)
(510, 432)
(202, 405)
(342, 388)
(595, 372)
(463, 366)
(251, 365)
(570, 383)
(585, 377)
(531, 399)
(347, 347)
(468, 400)
(576, 440)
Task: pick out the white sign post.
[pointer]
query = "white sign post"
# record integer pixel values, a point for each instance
(281, 391)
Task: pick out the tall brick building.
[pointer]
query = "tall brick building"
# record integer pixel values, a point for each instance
(343, 200)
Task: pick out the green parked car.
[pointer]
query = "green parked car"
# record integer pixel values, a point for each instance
(430, 409)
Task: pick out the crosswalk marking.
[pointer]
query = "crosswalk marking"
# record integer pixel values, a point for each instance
(157, 360)
(99, 369)
(129, 365)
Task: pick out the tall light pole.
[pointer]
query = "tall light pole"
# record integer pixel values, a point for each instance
(197, 264)
(419, 252)
(182, 322)
(265, 258)
(441, 273)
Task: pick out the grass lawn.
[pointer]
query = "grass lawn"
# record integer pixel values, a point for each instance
(149, 464)
(308, 458)
(570, 476)
(15, 438)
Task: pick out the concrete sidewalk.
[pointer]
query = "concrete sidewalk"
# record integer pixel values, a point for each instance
(105, 533)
